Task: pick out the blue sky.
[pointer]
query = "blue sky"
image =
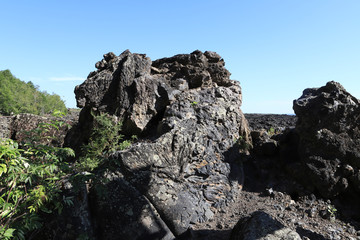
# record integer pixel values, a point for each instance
(275, 48)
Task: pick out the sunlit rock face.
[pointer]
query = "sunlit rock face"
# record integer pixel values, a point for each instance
(186, 113)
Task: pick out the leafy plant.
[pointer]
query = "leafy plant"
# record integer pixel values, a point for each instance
(30, 181)
(104, 140)
(243, 144)
(332, 211)
(31, 172)
(271, 131)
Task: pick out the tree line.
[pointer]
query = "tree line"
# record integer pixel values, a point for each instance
(17, 96)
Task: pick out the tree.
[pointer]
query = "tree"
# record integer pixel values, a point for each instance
(17, 96)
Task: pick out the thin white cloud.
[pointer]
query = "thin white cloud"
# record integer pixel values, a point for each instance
(66, 79)
(35, 79)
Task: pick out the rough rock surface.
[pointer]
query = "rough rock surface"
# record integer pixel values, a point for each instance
(5, 126)
(261, 226)
(125, 213)
(329, 147)
(138, 90)
(186, 112)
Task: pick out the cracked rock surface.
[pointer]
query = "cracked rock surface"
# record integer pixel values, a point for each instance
(186, 112)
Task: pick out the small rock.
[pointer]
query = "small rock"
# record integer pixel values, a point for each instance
(312, 212)
(324, 214)
(348, 170)
(299, 224)
(336, 237)
(220, 225)
(279, 207)
(270, 192)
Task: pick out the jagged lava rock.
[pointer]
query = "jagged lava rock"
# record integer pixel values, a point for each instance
(187, 110)
(329, 148)
(137, 90)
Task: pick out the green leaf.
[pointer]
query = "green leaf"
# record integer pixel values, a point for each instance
(32, 209)
(3, 168)
(5, 213)
(9, 232)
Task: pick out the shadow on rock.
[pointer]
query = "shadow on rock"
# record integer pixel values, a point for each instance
(205, 235)
(120, 211)
(309, 234)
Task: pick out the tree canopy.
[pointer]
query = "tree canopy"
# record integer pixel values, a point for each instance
(17, 96)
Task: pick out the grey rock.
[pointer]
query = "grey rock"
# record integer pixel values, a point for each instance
(261, 226)
(5, 126)
(195, 168)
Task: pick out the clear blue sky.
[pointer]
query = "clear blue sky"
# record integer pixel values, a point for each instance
(275, 48)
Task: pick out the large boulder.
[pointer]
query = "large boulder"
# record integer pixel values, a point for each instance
(262, 226)
(186, 112)
(329, 147)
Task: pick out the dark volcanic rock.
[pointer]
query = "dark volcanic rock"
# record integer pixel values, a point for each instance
(122, 212)
(263, 144)
(267, 121)
(329, 148)
(186, 112)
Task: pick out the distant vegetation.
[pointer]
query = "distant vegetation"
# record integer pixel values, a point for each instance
(17, 96)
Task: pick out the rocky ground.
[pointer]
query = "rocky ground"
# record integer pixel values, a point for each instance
(266, 121)
(267, 189)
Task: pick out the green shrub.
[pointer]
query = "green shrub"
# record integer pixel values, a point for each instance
(30, 182)
(31, 173)
(244, 145)
(104, 140)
